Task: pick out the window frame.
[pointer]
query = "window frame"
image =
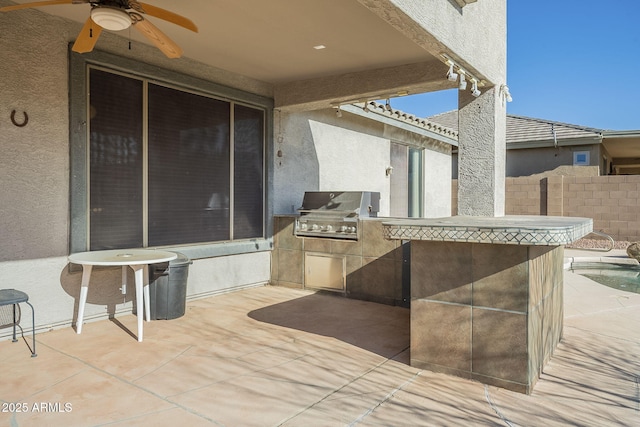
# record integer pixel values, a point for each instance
(412, 186)
(578, 154)
(415, 184)
(79, 65)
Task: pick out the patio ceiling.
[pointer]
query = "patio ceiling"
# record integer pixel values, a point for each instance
(273, 42)
(624, 149)
(623, 144)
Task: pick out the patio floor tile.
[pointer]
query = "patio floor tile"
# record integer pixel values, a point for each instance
(273, 356)
(94, 397)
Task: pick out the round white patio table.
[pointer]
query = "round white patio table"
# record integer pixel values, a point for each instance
(137, 259)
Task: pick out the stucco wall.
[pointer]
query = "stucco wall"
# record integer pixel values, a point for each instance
(317, 151)
(530, 161)
(465, 31)
(320, 152)
(311, 151)
(34, 160)
(437, 191)
(481, 154)
(34, 171)
(538, 160)
(355, 174)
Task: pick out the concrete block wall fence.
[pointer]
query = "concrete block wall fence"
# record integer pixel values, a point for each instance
(613, 201)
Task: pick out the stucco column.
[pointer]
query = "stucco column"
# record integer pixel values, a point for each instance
(482, 125)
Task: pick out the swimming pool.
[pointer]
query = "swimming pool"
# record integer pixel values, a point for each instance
(622, 276)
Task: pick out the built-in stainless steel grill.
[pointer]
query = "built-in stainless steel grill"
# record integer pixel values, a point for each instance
(335, 214)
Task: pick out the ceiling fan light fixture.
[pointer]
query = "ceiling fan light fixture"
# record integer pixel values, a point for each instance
(111, 18)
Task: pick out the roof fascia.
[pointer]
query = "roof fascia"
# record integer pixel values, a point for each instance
(372, 115)
(551, 143)
(621, 134)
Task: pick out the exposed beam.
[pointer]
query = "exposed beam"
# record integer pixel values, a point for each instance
(626, 162)
(407, 17)
(325, 92)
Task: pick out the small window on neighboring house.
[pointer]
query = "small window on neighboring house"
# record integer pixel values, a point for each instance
(581, 158)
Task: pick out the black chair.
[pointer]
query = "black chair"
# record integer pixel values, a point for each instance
(15, 297)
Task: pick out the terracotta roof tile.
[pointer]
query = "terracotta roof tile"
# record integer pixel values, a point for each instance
(425, 123)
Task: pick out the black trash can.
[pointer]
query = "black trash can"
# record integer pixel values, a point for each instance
(168, 288)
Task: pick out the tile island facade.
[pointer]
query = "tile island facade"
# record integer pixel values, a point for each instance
(486, 294)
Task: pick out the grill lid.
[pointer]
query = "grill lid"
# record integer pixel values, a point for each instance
(341, 203)
(335, 214)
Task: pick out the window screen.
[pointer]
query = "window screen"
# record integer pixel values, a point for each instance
(248, 173)
(189, 168)
(171, 167)
(115, 161)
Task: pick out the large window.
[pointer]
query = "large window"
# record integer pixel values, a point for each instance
(171, 167)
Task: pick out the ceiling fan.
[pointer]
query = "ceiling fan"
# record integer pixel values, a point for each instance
(118, 15)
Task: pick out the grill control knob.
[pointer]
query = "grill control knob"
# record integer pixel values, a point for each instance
(315, 227)
(329, 228)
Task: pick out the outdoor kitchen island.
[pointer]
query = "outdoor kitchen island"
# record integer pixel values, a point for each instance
(487, 293)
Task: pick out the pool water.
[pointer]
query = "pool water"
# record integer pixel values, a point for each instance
(621, 277)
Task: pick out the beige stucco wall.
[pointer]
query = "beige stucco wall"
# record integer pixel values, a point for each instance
(531, 161)
(523, 162)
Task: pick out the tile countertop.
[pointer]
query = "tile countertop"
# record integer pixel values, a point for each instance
(507, 230)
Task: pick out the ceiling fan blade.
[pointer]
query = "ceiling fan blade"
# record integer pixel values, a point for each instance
(162, 42)
(40, 3)
(166, 15)
(88, 37)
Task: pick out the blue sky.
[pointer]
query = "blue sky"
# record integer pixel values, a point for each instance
(571, 61)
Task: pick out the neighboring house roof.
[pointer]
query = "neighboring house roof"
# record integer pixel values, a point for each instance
(525, 129)
(527, 132)
(622, 147)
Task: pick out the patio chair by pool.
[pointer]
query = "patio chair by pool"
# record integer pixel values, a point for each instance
(14, 297)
